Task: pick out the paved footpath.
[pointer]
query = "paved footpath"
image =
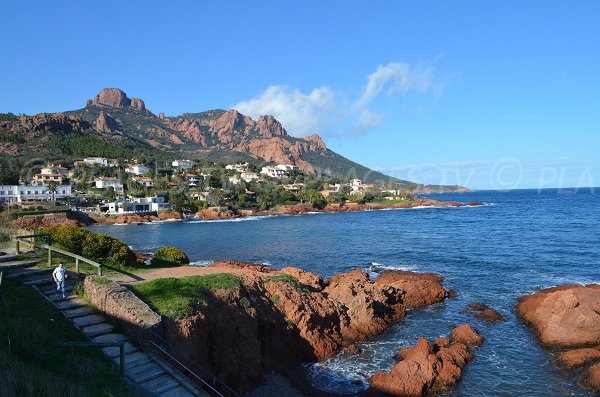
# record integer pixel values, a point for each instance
(148, 371)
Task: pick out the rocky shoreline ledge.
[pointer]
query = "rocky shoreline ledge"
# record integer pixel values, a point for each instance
(222, 213)
(566, 319)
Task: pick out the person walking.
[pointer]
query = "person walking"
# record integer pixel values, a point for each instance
(59, 275)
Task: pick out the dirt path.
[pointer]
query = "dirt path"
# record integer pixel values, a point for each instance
(177, 272)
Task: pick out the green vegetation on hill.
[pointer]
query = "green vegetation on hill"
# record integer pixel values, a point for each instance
(176, 297)
(31, 365)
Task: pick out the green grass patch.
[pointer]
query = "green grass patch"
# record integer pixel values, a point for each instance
(102, 281)
(286, 278)
(30, 362)
(176, 297)
(275, 298)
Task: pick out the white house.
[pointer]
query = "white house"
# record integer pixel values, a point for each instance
(138, 205)
(145, 181)
(96, 160)
(192, 179)
(16, 194)
(273, 172)
(185, 164)
(240, 167)
(55, 169)
(248, 176)
(137, 169)
(106, 182)
(285, 167)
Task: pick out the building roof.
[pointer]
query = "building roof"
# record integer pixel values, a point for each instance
(48, 175)
(104, 178)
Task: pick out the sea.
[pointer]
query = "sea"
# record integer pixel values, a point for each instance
(519, 242)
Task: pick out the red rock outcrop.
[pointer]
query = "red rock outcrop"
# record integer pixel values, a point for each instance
(274, 322)
(105, 123)
(114, 97)
(425, 367)
(370, 307)
(46, 122)
(578, 357)
(564, 316)
(422, 289)
(568, 316)
(466, 335)
(590, 378)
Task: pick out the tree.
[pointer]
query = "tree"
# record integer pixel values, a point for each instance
(52, 189)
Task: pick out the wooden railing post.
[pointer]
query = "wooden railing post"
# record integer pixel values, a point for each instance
(18, 247)
(100, 271)
(77, 266)
(122, 359)
(49, 256)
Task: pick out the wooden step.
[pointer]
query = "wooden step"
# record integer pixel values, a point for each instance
(28, 272)
(113, 352)
(179, 391)
(133, 359)
(98, 329)
(88, 320)
(6, 258)
(78, 312)
(69, 304)
(110, 338)
(161, 384)
(4, 266)
(146, 372)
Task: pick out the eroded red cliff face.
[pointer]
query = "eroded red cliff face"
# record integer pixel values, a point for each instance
(279, 319)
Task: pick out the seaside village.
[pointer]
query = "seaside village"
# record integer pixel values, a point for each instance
(101, 185)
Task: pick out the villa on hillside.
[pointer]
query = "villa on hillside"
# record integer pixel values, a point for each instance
(183, 164)
(137, 169)
(46, 179)
(106, 182)
(286, 167)
(145, 181)
(241, 167)
(248, 176)
(137, 205)
(294, 187)
(17, 194)
(273, 172)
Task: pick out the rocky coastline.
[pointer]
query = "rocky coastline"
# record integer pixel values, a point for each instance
(221, 213)
(279, 319)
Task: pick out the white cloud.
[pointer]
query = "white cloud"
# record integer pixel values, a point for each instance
(399, 78)
(330, 112)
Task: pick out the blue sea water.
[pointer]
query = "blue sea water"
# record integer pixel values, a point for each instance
(522, 241)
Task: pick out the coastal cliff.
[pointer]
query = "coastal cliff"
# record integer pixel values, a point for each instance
(278, 319)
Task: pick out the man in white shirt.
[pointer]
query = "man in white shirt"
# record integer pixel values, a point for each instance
(59, 275)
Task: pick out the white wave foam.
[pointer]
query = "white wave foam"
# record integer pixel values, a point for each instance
(375, 268)
(202, 263)
(244, 219)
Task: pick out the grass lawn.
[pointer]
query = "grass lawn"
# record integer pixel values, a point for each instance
(31, 364)
(175, 297)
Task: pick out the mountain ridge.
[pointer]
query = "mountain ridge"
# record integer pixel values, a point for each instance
(214, 134)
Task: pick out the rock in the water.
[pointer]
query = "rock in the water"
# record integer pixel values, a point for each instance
(590, 379)
(466, 335)
(422, 289)
(577, 358)
(425, 368)
(564, 316)
(485, 312)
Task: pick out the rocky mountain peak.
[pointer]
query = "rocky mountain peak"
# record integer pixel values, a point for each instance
(105, 123)
(116, 98)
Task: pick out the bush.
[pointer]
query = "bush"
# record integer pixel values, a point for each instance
(98, 247)
(170, 255)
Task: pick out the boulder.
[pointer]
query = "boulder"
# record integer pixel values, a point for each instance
(425, 368)
(421, 289)
(466, 335)
(590, 378)
(578, 357)
(564, 316)
(484, 312)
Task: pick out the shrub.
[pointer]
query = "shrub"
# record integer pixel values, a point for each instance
(170, 255)
(98, 247)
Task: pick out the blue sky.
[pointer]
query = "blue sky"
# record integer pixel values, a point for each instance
(488, 94)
